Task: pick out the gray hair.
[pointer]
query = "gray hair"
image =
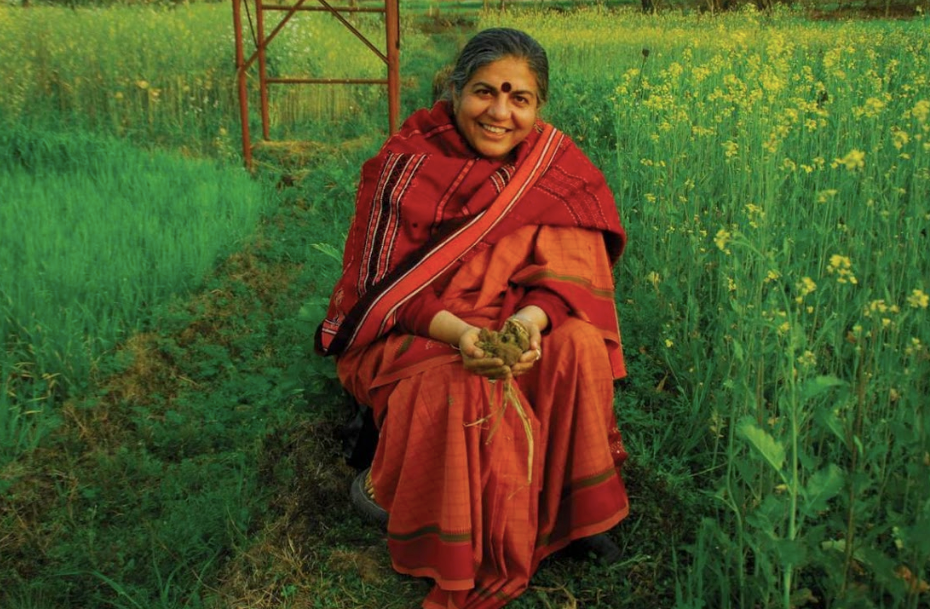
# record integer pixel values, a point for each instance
(495, 44)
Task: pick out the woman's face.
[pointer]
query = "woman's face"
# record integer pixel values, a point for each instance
(497, 107)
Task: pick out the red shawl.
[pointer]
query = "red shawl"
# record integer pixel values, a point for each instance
(427, 199)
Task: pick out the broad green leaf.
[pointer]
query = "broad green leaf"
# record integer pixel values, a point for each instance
(827, 420)
(823, 486)
(771, 449)
(817, 385)
(790, 551)
(738, 351)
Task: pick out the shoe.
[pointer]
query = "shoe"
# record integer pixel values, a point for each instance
(600, 545)
(362, 496)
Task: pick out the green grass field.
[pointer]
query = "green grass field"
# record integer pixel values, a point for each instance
(168, 439)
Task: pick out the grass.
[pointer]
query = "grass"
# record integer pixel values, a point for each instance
(773, 176)
(98, 233)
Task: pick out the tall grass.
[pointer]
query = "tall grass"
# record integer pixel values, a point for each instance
(95, 233)
(167, 74)
(774, 176)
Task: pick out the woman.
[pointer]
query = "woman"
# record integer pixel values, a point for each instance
(477, 213)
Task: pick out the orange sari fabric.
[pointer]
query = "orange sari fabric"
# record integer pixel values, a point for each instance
(461, 509)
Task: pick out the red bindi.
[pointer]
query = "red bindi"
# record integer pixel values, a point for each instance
(506, 87)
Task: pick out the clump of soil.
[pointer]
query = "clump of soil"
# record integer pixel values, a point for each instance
(508, 344)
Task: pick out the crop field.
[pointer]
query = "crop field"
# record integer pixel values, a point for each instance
(168, 438)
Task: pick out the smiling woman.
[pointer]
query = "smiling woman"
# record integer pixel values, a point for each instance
(479, 216)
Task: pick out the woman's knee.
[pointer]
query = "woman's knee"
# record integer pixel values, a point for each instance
(575, 336)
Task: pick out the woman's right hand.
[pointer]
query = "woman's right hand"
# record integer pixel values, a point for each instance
(475, 360)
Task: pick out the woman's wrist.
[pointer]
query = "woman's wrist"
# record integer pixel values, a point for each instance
(449, 328)
(533, 315)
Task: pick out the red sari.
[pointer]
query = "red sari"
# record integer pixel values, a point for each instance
(468, 508)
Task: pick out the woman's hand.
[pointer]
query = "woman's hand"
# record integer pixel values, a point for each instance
(534, 352)
(451, 329)
(475, 360)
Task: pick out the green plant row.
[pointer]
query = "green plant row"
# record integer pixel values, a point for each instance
(95, 233)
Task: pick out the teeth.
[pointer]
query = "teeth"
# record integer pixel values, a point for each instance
(493, 129)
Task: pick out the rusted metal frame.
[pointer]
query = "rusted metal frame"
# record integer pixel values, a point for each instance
(263, 67)
(391, 58)
(327, 8)
(392, 26)
(341, 9)
(242, 84)
(352, 29)
(259, 7)
(328, 81)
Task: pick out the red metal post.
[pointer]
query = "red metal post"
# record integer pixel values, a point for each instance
(242, 85)
(392, 25)
(262, 68)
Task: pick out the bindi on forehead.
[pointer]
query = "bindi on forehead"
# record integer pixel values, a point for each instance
(506, 87)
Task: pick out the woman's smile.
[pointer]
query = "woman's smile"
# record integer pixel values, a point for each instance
(494, 129)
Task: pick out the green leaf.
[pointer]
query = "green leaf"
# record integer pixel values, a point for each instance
(790, 551)
(771, 449)
(823, 486)
(312, 312)
(738, 351)
(817, 385)
(329, 250)
(827, 420)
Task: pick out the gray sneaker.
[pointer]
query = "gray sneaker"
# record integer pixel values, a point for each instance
(362, 495)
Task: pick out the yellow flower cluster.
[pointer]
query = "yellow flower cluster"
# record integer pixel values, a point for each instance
(873, 107)
(918, 299)
(852, 161)
(881, 310)
(915, 346)
(722, 238)
(807, 359)
(756, 214)
(921, 111)
(805, 287)
(841, 266)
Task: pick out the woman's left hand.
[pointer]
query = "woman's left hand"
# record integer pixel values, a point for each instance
(534, 353)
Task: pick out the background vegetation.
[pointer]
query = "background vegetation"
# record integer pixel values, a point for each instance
(169, 440)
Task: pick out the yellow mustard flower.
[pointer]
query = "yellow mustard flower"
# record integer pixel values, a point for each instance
(918, 299)
(841, 266)
(921, 111)
(901, 138)
(806, 286)
(807, 359)
(852, 161)
(722, 238)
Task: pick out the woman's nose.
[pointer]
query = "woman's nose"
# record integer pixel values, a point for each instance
(498, 108)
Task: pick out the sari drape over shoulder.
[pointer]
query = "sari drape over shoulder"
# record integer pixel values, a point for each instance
(467, 508)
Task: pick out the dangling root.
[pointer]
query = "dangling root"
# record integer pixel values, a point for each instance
(511, 396)
(508, 344)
